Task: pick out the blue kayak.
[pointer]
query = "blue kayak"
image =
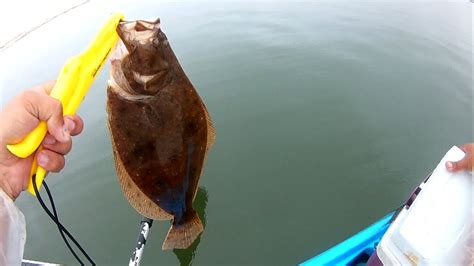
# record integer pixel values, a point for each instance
(356, 249)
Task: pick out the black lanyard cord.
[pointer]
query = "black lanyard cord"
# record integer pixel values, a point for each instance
(59, 228)
(55, 219)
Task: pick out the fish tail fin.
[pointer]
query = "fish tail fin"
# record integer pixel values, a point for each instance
(181, 236)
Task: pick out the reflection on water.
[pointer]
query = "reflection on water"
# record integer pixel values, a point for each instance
(186, 256)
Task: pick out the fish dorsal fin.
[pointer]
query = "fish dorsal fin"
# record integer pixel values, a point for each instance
(211, 138)
(211, 131)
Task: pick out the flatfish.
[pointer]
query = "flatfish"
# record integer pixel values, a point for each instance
(160, 130)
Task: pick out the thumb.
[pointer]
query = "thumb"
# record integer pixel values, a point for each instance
(48, 109)
(464, 164)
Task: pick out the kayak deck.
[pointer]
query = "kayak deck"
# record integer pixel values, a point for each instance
(357, 248)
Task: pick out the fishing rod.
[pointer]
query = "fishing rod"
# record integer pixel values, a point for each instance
(145, 226)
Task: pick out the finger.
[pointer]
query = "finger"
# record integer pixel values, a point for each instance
(46, 87)
(45, 108)
(50, 161)
(52, 144)
(74, 124)
(21, 115)
(464, 164)
(467, 148)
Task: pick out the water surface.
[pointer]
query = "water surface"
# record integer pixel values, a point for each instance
(327, 116)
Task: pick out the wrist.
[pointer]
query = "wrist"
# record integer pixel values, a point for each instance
(5, 185)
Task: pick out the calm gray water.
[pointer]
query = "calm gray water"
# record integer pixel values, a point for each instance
(327, 116)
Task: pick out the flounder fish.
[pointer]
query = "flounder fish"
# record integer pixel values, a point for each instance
(160, 129)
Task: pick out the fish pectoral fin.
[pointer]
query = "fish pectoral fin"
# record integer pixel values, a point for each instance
(182, 236)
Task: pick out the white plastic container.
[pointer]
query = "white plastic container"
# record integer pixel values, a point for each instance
(437, 228)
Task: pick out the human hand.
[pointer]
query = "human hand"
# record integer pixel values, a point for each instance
(465, 163)
(19, 117)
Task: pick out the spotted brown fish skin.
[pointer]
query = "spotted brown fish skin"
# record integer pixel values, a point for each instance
(159, 125)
